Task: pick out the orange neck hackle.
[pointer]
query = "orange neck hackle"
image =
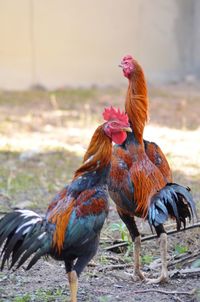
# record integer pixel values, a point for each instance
(136, 104)
(98, 154)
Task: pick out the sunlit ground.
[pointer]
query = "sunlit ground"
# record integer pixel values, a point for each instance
(181, 146)
(43, 136)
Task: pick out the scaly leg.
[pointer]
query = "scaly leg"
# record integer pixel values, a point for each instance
(163, 253)
(137, 247)
(73, 284)
(135, 235)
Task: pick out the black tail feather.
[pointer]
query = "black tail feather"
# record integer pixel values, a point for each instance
(24, 233)
(173, 200)
(33, 248)
(9, 227)
(6, 220)
(42, 251)
(22, 248)
(10, 245)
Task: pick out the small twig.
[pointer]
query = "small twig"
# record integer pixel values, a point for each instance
(179, 299)
(120, 244)
(196, 225)
(160, 291)
(182, 258)
(182, 273)
(147, 238)
(189, 257)
(185, 272)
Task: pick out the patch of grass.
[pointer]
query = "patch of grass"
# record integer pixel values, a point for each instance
(49, 295)
(74, 95)
(21, 182)
(128, 257)
(63, 97)
(103, 260)
(181, 249)
(43, 296)
(33, 182)
(121, 228)
(25, 298)
(146, 259)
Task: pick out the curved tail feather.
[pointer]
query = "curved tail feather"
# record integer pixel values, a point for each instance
(24, 233)
(173, 200)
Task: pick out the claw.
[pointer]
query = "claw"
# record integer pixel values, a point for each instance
(162, 279)
(138, 276)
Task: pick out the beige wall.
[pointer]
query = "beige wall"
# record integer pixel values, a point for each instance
(80, 42)
(195, 53)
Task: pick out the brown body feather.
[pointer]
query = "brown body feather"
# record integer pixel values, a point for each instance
(157, 157)
(147, 180)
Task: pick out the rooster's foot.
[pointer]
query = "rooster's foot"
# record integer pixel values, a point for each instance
(138, 276)
(162, 279)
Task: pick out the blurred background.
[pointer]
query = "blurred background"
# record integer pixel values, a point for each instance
(60, 43)
(59, 69)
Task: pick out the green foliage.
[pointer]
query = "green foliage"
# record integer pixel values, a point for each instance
(25, 298)
(128, 257)
(147, 259)
(181, 249)
(103, 260)
(43, 296)
(121, 228)
(22, 181)
(49, 295)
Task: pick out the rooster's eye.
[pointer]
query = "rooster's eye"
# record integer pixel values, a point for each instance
(114, 124)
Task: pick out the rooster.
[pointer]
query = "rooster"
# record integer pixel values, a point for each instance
(140, 180)
(71, 228)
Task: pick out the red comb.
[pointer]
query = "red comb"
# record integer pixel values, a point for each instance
(112, 113)
(127, 57)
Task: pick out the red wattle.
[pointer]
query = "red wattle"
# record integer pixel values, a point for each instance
(119, 137)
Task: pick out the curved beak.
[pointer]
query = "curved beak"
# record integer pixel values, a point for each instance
(127, 129)
(120, 65)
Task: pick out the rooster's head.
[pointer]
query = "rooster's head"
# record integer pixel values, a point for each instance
(116, 125)
(127, 64)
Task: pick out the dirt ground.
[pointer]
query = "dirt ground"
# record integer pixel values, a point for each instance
(43, 136)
